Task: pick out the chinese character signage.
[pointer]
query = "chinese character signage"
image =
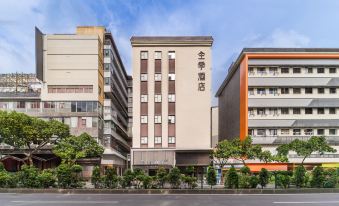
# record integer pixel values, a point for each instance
(201, 71)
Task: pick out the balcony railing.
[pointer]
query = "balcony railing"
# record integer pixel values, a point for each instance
(333, 140)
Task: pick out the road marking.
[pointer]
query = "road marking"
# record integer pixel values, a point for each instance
(316, 202)
(65, 202)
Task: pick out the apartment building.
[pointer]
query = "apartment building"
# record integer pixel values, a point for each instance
(82, 83)
(171, 101)
(278, 95)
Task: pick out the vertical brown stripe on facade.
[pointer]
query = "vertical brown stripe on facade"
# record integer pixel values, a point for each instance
(171, 66)
(144, 108)
(144, 130)
(171, 130)
(157, 108)
(157, 65)
(244, 98)
(171, 87)
(171, 108)
(143, 66)
(157, 87)
(157, 130)
(143, 88)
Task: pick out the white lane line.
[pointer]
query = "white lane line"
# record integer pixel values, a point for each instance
(65, 202)
(316, 202)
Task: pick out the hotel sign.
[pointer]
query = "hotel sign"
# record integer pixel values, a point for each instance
(201, 71)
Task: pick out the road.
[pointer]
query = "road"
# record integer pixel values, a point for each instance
(167, 200)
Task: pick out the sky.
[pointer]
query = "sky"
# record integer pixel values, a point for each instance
(233, 24)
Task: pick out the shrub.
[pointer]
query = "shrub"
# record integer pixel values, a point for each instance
(283, 180)
(110, 179)
(245, 170)
(68, 175)
(244, 181)
(232, 179)
(253, 181)
(147, 181)
(190, 182)
(174, 177)
(96, 177)
(161, 176)
(46, 178)
(28, 176)
(263, 177)
(211, 176)
(330, 178)
(2, 167)
(189, 170)
(7, 179)
(317, 177)
(299, 176)
(127, 179)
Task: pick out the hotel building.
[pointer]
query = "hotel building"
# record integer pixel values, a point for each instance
(82, 83)
(171, 101)
(277, 95)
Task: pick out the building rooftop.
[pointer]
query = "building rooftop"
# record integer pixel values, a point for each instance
(207, 40)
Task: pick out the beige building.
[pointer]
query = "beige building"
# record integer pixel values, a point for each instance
(171, 101)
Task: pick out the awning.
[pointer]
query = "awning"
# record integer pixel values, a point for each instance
(268, 166)
(330, 165)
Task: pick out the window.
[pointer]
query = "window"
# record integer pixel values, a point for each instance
(251, 111)
(309, 70)
(273, 70)
(157, 55)
(171, 140)
(273, 91)
(171, 77)
(143, 77)
(144, 140)
(296, 132)
(308, 90)
(251, 70)
(251, 132)
(308, 111)
(144, 98)
(321, 111)
(285, 132)
(261, 132)
(157, 98)
(296, 91)
(107, 80)
(296, 70)
(261, 91)
(320, 132)
(321, 70)
(285, 70)
(333, 70)
(171, 98)
(21, 105)
(308, 131)
(261, 70)
(171, 119)
(157, 140)
(321, 90)
(273, 132)
(261, 111)
(284, 111)
(34, 105)
(106, 53)
(157, 119)
(144, 55)
(332, 131)
(273, 111)
(171, 55)
(143, 119)
(106, 67)
(332, 111)
(251, 91)
(285, 91)
(296, 110)
(157, 77)
(333, 90)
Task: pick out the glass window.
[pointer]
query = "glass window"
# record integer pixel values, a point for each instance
(309, 70)
(261, 111)
(171, 55)
(273, 91)
(261, 70)
(251, 111)
(285, 132)
(106, 53)
(285, 91)
(332, 131)
(261, 91)
(157, 55)
(251, 91)
(333, 90)
(107, 80)
(157, 119)
(171, 140)
(296, 91)
(73, 106)
(144, 140)
(144, 55)
(171, 77)
(320, 70)
(157, 98)
(273, 70)
(261, 132)
(144, 98)
(308, 110)
(273, 111)
(143, 119)
(296, 110)
(251, 70)
(332, 111)
(171, 98)
(157, 140)
(284, 111)
(308, 131)
(296, 132)
(20, 105)
(273, 132)
(321, 111)
(89, 107)
(157, 77)
(296, 70)
(333, 70)
(321, 90)
(285, 70)
(320, 131)
(308, 90)
(143, 77)
(171, 119)
(106, 67)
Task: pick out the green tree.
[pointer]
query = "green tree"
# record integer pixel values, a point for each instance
(128, 178)
(46, 178)
(316, 144)
(283, 180)
(330, 178)
(211, 176)
(29, 134)
(73, 148)
(96, 177)
(174, 177)
(28, 176)
(111, 179)
(317, 177)
(253, 181)
(299, 176)
(245, 170)
(161, 176)
(232, 179)
(263, 177)
(68, 175)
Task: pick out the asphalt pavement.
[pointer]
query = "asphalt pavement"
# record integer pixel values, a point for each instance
(12, 199)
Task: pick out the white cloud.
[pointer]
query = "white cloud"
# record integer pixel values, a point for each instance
(278, 38)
